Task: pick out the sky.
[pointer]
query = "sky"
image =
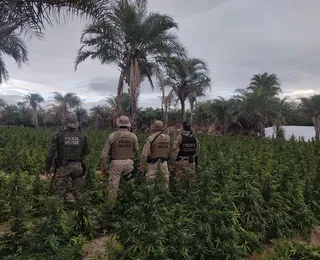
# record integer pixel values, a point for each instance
(237, 38)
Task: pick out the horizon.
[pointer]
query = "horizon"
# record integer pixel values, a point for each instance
(231, 38)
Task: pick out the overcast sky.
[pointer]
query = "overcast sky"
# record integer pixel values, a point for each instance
(237, 38)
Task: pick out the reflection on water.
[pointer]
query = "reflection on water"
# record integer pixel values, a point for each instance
(307, 132)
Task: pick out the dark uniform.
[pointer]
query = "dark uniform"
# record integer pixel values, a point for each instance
(71, 146)
(185, 149)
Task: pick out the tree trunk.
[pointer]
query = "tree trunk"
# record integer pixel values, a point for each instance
(183, 112)
(35, 116)
(134, 86)
(316, 123)
(191, 110)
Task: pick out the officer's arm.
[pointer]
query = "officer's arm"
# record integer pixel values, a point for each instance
(136, 145)
(176, 147)
(53, 146)
(197, 147)
(87, 148)
(105, 152)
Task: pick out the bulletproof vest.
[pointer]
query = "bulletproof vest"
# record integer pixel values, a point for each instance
(122, 147)
(72, 145)
(160, 147)
(188, 146)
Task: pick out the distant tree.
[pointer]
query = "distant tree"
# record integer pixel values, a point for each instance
(311, 108)
(34, 99)
(185, 76)
(267, 82)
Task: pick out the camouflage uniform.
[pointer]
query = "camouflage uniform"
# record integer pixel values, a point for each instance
(185, 148)
(71, 146)
(120, 147)
(155, 153)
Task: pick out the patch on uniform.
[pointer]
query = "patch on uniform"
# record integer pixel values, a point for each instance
(71, 140)
(188, 147)
(163, 144)
(124, 143)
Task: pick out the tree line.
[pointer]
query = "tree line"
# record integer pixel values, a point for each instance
(143, 45)
(248, 112)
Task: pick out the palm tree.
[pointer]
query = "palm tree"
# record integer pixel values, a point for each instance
(67, 101)
(2, 103)
(257, 107)
(113, 107)
(11, 45)
(34, 99)
(224, 112)
(32, 16)
(311, 108)
(135, 41)
(99, 115)
(268, 82)
(197, 91)
(185, 76)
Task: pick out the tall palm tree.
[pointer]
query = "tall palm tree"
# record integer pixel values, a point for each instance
(67, 101)
(311, 108)
(268, 82)
(185, 76)
(33, 100)
(32, 16)
(224, 112)
(257, 107)
(11, 45)
(135, 41)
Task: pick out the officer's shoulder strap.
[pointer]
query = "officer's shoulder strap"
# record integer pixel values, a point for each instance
(155, 138)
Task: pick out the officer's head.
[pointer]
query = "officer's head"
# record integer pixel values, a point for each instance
(71, 120)
(186, 126)
(123, 122)
(157, 126)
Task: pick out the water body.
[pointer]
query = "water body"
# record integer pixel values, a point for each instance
(306, 132)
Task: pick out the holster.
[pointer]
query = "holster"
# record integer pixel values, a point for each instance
(190, 159)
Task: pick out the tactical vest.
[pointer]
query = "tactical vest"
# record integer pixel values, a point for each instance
(188, 146)
(72, 145)
(122, 147)
(160, 147)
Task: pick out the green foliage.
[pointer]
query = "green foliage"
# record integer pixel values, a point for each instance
(249, 192)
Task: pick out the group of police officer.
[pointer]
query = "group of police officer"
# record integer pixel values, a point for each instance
(71, 146)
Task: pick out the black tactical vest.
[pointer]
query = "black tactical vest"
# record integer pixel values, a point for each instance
(188, 146)
(72, 145)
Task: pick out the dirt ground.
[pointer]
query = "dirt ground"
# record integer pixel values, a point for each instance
(313, 241)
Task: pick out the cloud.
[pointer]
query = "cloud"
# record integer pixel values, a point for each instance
(237, 38)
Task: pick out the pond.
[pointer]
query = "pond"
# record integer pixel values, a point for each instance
(307, 132)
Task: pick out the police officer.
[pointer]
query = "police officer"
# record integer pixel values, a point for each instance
(120, 148)
(71, 146)
(155, 153)
(185, 149)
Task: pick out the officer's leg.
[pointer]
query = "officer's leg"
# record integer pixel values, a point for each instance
(127, 170)
(114, 181)
(179, 171)
(165, 173)
(61, 181)
(77, 182)
(152, 172)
